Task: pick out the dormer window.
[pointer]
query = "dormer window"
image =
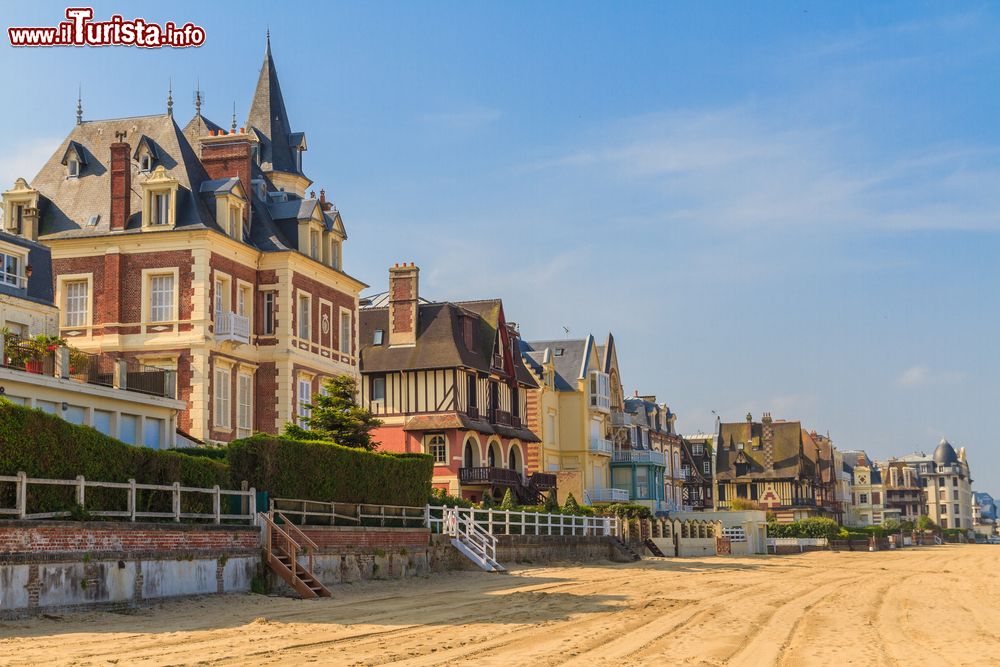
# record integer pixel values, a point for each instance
(378, 337)
(74, 158)
(145, 163)
(159, 199)
(72, 168)
(145, 154)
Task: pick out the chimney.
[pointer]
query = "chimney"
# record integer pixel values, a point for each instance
(228, 156)
(403, 304)
(121, 182)
(767, 440)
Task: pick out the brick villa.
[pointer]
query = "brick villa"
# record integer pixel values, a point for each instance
(197, 249)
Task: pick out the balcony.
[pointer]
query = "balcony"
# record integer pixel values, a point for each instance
(601, 446)
(230, 326)
(504, 418)
(640, 456)
(488, 476)
(543, 481)
(621, 419)
(608, 495)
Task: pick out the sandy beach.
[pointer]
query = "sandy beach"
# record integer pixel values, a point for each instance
(919, 606)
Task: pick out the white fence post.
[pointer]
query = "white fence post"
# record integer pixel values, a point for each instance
(177, 501)
(253, 505)
(131, 500)
(81, 486)
(507, 522)
(217, 503)
(22, 494)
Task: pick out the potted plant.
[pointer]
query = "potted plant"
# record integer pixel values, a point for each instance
(79, 364)
(37, 349)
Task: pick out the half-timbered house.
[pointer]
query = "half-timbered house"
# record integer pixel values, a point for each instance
(447, 379)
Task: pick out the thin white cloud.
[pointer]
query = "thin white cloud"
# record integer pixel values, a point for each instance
(24, 159)
(921, 376)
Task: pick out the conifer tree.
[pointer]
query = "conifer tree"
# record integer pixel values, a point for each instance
(336, 417)
(508, 501)
(571, 506)
(551, 503)
(487, 502)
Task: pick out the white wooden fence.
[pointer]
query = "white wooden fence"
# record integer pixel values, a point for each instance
(514, 522)
(22, 483)
(313, 512)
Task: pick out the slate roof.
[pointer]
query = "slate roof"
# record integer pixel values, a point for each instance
(788, 457)
(39, 287)
(568, 365)
(269, 119)
(440, 340)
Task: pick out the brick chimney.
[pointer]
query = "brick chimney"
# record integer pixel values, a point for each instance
(767, 440)
(403, 304)
(121, 182)
(228, 156)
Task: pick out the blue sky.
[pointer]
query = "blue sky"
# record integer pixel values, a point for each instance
(791, 207)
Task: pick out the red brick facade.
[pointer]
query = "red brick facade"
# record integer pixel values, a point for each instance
(359, 540)
(64, 538)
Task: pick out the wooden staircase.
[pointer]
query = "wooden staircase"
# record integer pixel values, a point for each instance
(655, 550)
(626, 551)
(281, 551)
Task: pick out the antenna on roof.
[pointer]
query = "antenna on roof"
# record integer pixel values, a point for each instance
(79, 105)
(199, 98)
(233, 126)
(566, 330)
(170, 97)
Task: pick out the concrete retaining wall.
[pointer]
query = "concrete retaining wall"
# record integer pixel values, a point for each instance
(65, 565)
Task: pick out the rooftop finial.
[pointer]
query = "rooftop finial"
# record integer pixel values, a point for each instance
(267, 51)
(79, 105)
(197, 98)
(170, 97)
(233, 126)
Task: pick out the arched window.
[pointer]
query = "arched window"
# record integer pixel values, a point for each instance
(512, 460)
(492, 456)
(469, 460)
(437, 446)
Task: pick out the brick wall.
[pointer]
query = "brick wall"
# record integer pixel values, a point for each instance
(338, 299)
(24, 537)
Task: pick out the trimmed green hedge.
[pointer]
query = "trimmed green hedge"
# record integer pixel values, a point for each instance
(288, 468)
(812, 527)
(217, 453)
(45, 446)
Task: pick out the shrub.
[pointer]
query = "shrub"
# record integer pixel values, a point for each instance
(216, 453)
(571, 506)
(626, 511)
(43, 445)
(321, 471)
(925, 523)
(508, 501)
(551, 505)
(741, 504)
(487, 502)
(814, 527)
(439, 497)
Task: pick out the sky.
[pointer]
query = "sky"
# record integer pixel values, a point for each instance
(785, 207)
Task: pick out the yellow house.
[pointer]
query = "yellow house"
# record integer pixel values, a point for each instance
(571, 412)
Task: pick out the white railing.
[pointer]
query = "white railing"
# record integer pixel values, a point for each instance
(640, 456)
(735, 533)
(601, 446)
(476, 543)
(516, 522)
(230, 326)
(608, 495)
(131, 512)
(314, 512)
(799, 542)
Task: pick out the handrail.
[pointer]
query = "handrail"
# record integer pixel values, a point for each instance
(510, 522)
(272, 526)
(297, 530)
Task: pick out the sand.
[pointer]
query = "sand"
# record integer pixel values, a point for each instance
(935, 605)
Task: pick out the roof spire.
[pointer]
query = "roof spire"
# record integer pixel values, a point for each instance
(170, 97)
(197, 98)
(267, 51)
(79, 105)
(233, 126)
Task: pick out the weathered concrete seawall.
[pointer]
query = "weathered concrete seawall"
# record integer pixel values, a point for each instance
(67, 565)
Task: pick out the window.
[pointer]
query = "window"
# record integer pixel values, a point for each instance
(378, 388)
(954, 481)
(222, 393)
(304, 316)
(161, 208)
(220, 296)
(706, 467)
(377, 338)
(128, 429)
(470, 390)
(152, 432)
(863, 498)
(876, 498)
(243, 301)
(437, 446)
(600, 393)
(345, 331)
(73, 168)
(145, 162)
(956, 511)
(335, 250)
(244, 405)
(161, 298)
(268, 322)
(698, 449)
(76, 303)
(10, 270)
(314, 244)
(954, 494)
(305, 399)
(943, 509)
(234, 221)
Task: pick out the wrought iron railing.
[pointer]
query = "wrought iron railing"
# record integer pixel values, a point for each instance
(489, 475)
(145, 379)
